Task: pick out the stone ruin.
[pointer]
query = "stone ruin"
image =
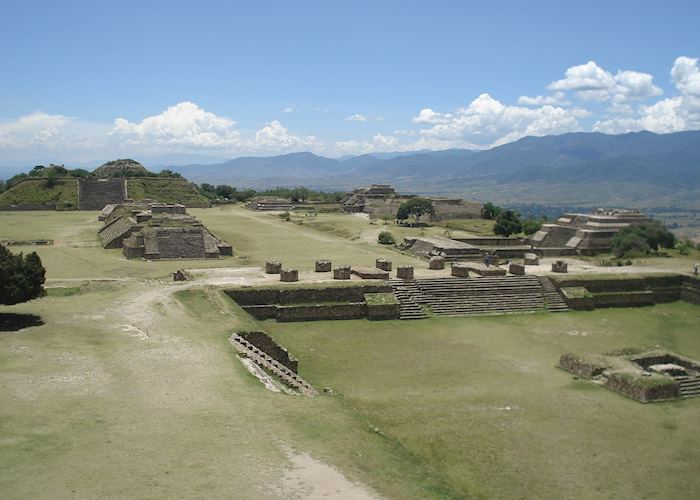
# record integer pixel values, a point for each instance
(585, 234)
(382, 201)
(94, 194)
(266, 203)
(158, 231)
(642, 375)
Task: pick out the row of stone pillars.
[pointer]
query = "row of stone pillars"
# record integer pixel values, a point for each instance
(342, 272)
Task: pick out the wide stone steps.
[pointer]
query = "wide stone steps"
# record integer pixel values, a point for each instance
(268, 363)
(476, 296)
(552, 296)
(689, 386)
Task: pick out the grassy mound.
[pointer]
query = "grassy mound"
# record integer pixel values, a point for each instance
(166, 190)
(63, 192)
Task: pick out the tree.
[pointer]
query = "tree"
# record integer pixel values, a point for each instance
(21, 278)
(490, 211)
(531, 226)
(51, 178)
(416, 208)
(641, 239)
(507, 223)
(385, 238)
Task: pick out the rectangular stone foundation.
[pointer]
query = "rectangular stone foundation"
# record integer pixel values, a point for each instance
(483, 269)
(370, 273)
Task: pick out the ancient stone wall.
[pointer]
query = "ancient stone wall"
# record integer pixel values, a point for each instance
(580, 366)
(267, 344)
(643, 389)
(94, 194)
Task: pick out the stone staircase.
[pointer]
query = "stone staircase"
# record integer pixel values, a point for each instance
(476, 296)
(408, 294)
(552, 296)
(689, 386)
(271, 365)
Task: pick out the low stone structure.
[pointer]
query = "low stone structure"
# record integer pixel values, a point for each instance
(460, 270)
(266, 203)
(370, 273)
(450, 250)
(323, 266)
(273, 267)
(342, 273)
(560, 266)
(642, 375)
(383, 264)
(289, 274)
(587, 234)
(532, 259)
(179, 275)
(483, 269)
(158, 231)
(404, 272)
(436, 263)
(516, 269)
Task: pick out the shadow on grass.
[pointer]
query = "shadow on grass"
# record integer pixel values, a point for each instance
(12, 322)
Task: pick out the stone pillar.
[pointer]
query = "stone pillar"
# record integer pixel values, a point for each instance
(273, 267)
(179, 275)
(560, 266)
(404, 272)
(383, 264)
(531, 259)
(342, 273)
(460, 270)
(323, 266)
(516, 269)
(437, 262)
(289, 274)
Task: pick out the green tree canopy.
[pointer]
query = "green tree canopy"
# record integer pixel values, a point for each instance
(490, 211)
(508, 222)
(641, 239)
(416, 208)
(21, 278)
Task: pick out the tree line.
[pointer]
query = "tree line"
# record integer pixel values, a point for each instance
(224, 193)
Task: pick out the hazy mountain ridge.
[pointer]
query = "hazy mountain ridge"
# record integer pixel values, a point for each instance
(633, 168)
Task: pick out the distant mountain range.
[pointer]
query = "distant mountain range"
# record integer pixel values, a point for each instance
(640, 169)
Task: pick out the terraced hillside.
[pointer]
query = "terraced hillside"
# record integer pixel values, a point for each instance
(33, 193)
(36, 194)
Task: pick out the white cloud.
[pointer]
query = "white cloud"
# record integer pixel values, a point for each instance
(274, 137)
(35, 129)
(378, 143)
(590, 82)
(289, 109)
(487, 122)
(184, 124)
(357, 117)
(674, 114)
(556, 99)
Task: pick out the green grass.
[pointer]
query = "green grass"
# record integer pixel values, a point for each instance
(440, 387)
(64, 193)
(130, 388)
(166, 190)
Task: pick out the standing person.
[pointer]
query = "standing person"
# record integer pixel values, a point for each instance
(695, 268)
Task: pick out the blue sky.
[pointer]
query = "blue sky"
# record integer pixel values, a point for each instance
(88, 81)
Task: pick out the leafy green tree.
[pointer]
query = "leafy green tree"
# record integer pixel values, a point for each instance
(629, 244)
(490, 211)
(531, 226)
(641, 239)
(508, 222)
(51, 178)
(21, 278)
(416, 208)
(386, 238)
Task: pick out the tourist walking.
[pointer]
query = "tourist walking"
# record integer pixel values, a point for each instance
(695, 268)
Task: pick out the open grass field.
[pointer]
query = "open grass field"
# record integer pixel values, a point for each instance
(122, 384)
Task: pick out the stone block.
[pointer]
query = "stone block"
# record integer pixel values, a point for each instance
(516, 269)
(273, 267)
(323, 266)
(532, 259)
(179, 275)
(342, 273)
(404, 272)
(437, 262)
(383, 264)
(289, 274)
(560, 266)
(460, 270)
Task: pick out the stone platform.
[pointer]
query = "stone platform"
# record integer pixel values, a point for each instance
(370, 273)
(483, 269)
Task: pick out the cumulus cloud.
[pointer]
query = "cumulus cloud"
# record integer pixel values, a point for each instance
(487, 122)
(35, 129)
(556, 99)
(274, 137)
(378, 143)
(184, 124)
(357, 117)
(590, 82)
(673, 114)
(289, 109)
